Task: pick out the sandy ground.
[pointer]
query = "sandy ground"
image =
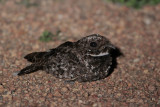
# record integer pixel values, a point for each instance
(134, 83)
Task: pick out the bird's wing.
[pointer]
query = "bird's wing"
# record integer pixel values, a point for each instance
(42, 56)
(38, 56)
(64, 65)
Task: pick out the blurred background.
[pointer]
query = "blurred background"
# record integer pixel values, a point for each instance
(38, 25)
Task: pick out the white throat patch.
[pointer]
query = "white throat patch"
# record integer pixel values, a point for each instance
(101, 54)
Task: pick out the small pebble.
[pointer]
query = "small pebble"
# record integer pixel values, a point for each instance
(146, 71)
(136, 60)
(151, 88)
(57, 94)
(1, 89)
(64, 89)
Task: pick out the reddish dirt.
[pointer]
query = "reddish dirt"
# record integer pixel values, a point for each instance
(134, 83)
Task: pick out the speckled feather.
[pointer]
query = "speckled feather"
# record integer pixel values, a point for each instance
(88, 59)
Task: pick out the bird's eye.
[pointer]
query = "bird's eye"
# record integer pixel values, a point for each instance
(93, 44)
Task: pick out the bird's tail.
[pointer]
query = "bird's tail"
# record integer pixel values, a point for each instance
(29, 69)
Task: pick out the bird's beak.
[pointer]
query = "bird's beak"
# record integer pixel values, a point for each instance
(111, 46)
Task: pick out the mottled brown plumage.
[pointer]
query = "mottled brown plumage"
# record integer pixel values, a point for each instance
(88, 59)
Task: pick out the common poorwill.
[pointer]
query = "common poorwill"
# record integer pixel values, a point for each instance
(87, 59)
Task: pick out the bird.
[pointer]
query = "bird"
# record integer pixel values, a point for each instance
(85, 60)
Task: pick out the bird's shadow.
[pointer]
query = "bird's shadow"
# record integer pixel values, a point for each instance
(115, 54)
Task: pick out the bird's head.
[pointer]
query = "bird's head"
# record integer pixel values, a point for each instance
(95, 45)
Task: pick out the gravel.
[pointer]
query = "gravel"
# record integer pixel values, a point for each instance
(134, 83)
